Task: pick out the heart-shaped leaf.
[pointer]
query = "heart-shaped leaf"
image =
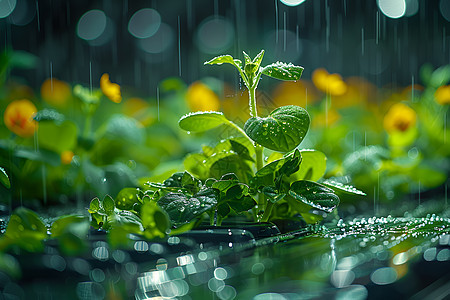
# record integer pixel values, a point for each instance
(282, 130)
(314, 195)
(202, 121)
(283, 71)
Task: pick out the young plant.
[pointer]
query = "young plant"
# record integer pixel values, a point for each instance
(231, 178)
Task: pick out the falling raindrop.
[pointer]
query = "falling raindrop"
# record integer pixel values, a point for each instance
(37, 16)
(179, 48)
(157, 101)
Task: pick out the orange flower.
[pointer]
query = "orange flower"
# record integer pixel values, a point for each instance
(66, 157)
(442, 95)
(55, 92)
(201, 98)
(399, 118)
(109, 89)
(18, 117)
(329, 83)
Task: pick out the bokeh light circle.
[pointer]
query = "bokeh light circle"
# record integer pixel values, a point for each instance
(91, 25)
(412, 7)
(158, 42)
(215, 35)
(393, 9)
(292, 2)
(144, 23)
(444, 7)
(7, 7)
(24, 13)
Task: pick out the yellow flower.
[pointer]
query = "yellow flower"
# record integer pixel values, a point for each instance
(18, 117)
(399, 118)
(442, 95)
(329, 83)
(325, 119)
(297, 93)
(200, 97)
(109, 89)
(66, 157)
(55, 92)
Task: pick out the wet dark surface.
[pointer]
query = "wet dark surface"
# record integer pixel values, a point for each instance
(356, 259)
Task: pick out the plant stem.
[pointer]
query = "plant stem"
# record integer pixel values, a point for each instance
(267, 211)
(252, 101)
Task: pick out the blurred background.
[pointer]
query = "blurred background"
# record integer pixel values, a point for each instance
(142, 42)
(109, 81)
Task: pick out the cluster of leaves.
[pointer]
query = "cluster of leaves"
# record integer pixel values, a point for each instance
(231, 177)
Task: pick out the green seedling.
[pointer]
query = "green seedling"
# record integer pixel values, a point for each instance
(232, 177)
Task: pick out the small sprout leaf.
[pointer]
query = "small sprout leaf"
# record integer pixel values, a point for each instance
(108, 205)
(94, 206)
(283, 130)
(225, 59)
(258, 58)
(283, 71)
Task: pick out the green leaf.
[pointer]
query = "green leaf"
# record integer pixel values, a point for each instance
(41, 155)
(340, 187)
(57, 137)
(241, 150)
(125, 129)
(190, 183)
(283, 71)
(126, 198)
(313, 195)
(10, 266)
(313, 166)
(108, 205)
(250, 69)
(26, 230)
(23, 60)
(202, 121)
(283, 130)
(272, 173)
(225, 59)
(155, 221)
(94, 206)
(247, 58)
(4, 179)
(76, 224)
(273, 194)
(124, 217)
(258, 58)
(183, 209)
